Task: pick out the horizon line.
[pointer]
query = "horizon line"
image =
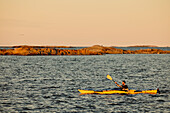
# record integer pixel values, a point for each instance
(137, 45)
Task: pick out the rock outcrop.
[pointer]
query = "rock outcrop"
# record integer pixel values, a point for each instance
(94, 50)
(104, 50)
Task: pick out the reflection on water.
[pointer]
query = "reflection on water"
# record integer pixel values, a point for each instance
(50, 83)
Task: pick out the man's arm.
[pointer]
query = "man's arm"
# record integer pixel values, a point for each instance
(118, 85)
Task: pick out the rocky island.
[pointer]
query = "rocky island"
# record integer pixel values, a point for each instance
(94, 50)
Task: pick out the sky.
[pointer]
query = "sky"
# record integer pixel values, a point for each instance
(85, 22)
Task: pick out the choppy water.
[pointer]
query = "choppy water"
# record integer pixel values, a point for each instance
(50, 83)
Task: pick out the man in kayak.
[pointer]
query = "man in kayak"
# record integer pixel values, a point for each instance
(123, 86)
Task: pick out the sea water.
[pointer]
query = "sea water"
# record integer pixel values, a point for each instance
(51, 83)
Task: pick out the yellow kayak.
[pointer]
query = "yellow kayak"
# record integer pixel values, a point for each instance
(116, 91)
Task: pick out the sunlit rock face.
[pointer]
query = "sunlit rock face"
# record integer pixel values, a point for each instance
(94, 50)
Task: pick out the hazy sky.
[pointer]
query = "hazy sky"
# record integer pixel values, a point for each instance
(85, 22)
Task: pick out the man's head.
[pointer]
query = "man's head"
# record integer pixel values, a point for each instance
(123, 82)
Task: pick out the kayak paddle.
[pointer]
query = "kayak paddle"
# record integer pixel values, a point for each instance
(110, 78)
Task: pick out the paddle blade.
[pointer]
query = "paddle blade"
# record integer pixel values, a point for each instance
(109, 77)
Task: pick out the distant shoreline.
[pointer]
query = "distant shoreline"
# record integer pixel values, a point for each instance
(143, 46)
(93, 50)
(37, 46)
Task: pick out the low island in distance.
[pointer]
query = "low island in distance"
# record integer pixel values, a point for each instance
(93, 50)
